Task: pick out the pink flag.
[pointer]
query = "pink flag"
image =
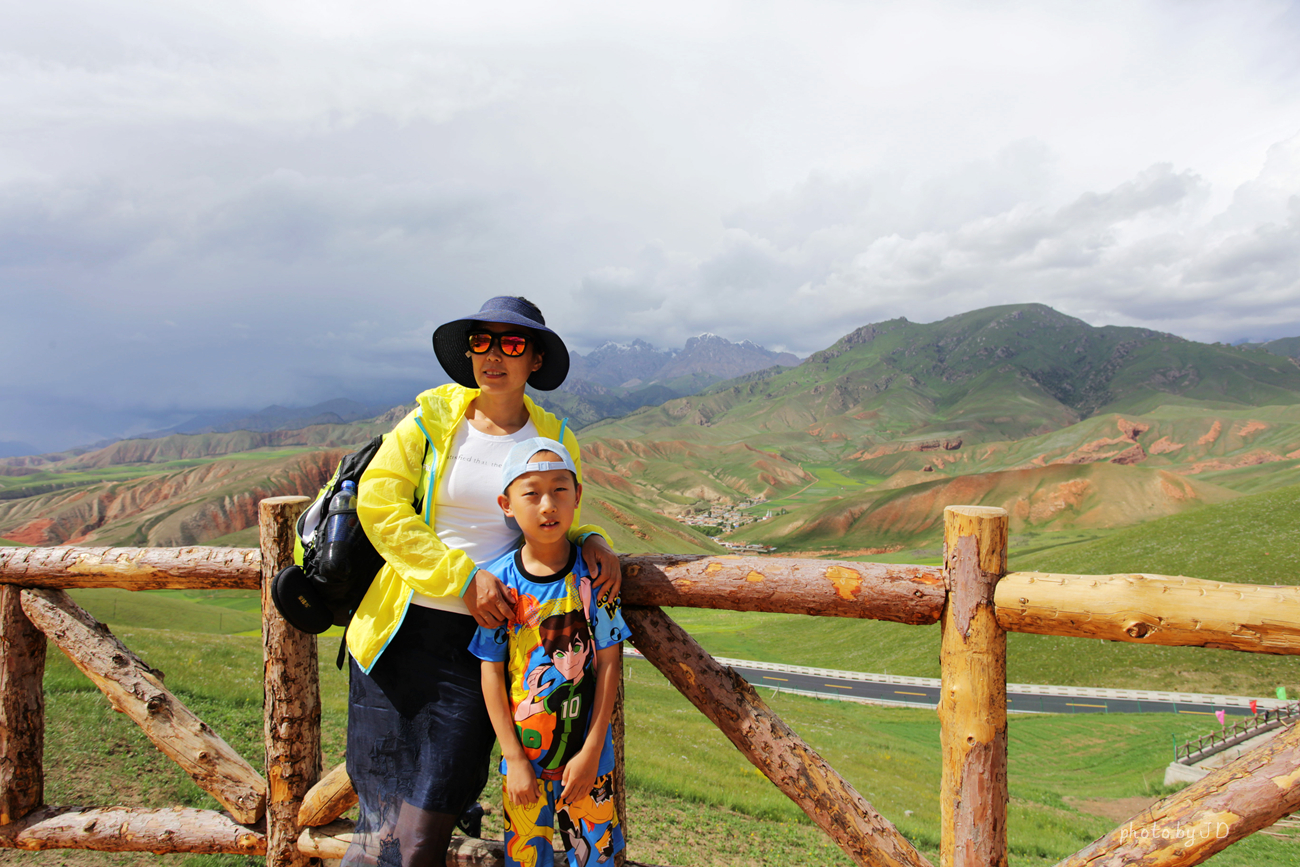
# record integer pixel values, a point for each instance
(1220, 714)
(1254, 706)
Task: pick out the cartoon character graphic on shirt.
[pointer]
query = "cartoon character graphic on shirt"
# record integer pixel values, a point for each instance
(552, 718)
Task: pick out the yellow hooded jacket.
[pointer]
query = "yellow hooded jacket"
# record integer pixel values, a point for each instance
(416, 559)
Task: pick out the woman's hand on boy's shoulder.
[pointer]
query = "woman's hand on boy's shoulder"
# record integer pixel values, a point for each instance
(490, 602)
(603, 566)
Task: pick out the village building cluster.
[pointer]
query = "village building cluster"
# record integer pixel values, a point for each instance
(729, 517)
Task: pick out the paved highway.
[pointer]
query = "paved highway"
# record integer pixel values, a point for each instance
(924, 692)
(928, 696)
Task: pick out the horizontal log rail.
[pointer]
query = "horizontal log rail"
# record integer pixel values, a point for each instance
(1153, 609)
(825, 588)
(195, 568)
(1135, 608)
(122, 829)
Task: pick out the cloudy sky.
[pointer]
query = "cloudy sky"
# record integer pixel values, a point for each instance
(208, 206)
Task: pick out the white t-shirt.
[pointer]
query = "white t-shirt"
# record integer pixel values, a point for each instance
(466, 514)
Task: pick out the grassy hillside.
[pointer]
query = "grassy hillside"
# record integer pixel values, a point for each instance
(636, 530)
(1069, 427)
(1288, 347)
(1249, 540)
(222, 612)
(991, 374)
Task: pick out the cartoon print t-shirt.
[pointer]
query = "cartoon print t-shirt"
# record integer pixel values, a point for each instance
(549, 647)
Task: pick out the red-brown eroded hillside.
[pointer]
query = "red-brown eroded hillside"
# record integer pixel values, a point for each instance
(183, 507)
(1058, 497)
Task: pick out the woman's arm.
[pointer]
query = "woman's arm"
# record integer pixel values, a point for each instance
(521, 781)
(580, 773)
(602, 563)
(385, 508)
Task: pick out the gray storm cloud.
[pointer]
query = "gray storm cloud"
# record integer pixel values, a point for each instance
(223, 207)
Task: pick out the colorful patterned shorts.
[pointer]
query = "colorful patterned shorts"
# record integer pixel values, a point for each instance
(589, 830)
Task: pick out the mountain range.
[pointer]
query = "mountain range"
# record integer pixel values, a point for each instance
(1096, 427)
(638, 364)
(617, 378)
(1070, 427)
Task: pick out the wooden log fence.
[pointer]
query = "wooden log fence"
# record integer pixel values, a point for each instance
(136, 690)
(1237, 732)
(972, 596)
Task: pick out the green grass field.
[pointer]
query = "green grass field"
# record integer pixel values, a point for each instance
(693, 799)
(1250, 540)
(198, 611)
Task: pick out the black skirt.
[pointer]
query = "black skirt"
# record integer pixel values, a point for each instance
(418, 731)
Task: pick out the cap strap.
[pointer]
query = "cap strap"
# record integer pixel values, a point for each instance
(543, 466)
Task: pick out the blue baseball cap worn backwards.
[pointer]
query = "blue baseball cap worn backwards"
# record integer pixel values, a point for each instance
(519, 461)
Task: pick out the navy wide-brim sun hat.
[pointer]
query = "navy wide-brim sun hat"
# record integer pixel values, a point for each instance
(451, 347)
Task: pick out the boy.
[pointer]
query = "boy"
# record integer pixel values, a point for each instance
(551, 673)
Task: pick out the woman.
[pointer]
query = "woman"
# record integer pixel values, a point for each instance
(419, 736)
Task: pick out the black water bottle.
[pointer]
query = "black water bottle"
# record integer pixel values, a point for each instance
(341, 530)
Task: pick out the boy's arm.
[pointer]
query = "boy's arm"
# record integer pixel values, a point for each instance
(580, 773)
(521, 782)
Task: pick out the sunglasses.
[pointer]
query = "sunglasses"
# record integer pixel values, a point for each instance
(513, 345)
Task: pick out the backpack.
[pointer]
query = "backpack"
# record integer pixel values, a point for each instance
(305, 596)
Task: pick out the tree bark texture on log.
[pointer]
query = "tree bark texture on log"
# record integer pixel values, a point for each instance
(1153, 609)
(794, 767)
(291, 707)
(903, 594)
(618, 724)
(22, 709)
(137, 690)
(121, 829)
(327, 800)
(1211, 814)
(194, 567)
(973, 696)
(1128, 607)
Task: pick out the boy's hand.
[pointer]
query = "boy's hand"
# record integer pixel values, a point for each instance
(490, 602)
(603, 567)
(521, 782)
(579, 776)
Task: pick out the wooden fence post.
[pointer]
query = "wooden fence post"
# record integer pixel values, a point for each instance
(973, 700)
(22, 710)
(291, 709)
